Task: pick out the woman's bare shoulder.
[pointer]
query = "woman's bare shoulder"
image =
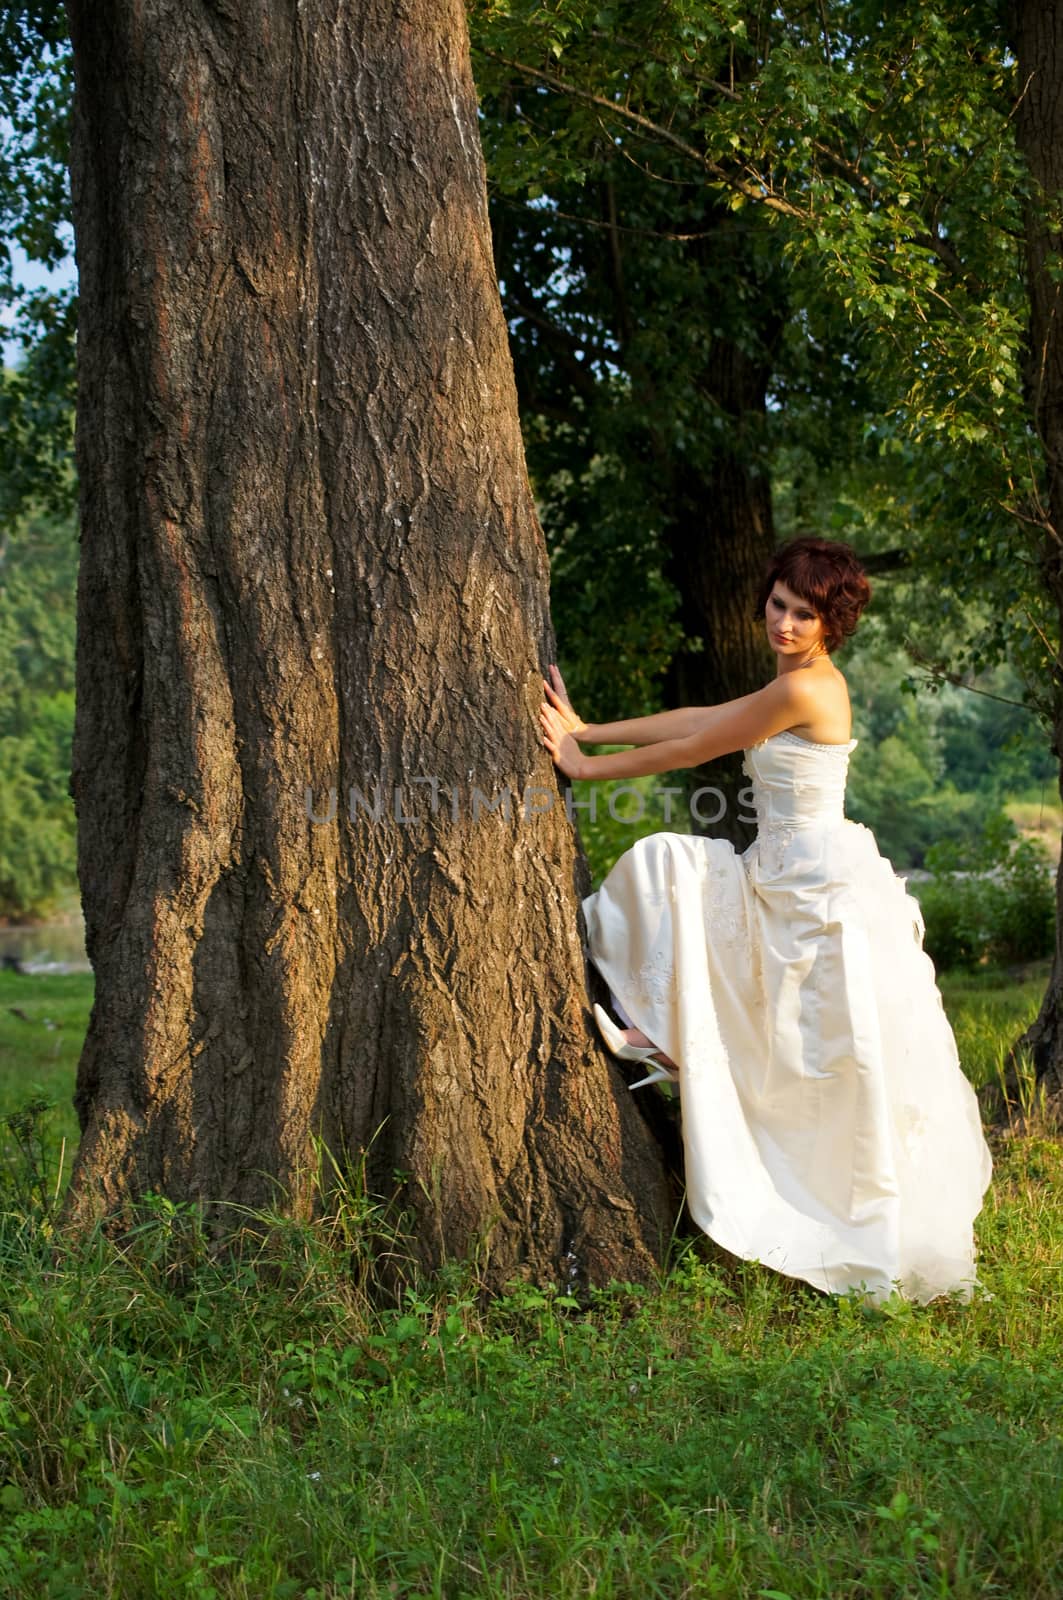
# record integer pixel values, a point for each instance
(828, 718)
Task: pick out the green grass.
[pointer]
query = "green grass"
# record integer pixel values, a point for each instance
(42, 1025)
(174, 1426)
(989, 1010)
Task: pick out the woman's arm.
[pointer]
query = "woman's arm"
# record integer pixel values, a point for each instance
(679, 724)
(734, 725)
(635, 730)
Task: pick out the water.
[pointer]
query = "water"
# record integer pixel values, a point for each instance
(47, 947)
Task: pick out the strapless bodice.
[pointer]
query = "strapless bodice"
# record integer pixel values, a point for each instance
(796, 782)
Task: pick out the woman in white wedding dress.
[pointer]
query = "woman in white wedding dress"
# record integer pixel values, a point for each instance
(828, 1129)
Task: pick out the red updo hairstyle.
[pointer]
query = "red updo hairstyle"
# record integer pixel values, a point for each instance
(827, 574)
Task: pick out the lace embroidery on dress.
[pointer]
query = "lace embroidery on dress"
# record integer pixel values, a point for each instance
(773, 839)
(725, 911)
(655, 979)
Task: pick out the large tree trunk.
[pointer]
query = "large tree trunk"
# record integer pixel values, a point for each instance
(1037, 37)
(310, 561)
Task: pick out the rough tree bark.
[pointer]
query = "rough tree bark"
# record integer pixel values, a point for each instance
(1037, 37)
(310, 562)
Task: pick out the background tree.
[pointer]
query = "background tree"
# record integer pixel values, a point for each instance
(667, 229)
(646, 322)
(38, 572)
(310, 560)
(1037, 31)
(36, 401)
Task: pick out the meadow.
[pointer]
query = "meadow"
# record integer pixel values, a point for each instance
(176, 1426)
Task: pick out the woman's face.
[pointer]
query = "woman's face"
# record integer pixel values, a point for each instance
(793, 627)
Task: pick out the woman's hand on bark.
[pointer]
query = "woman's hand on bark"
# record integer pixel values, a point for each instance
(561, 726)
(564, 750)
(557, 695)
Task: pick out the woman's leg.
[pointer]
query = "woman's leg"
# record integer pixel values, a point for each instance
(635, 1035)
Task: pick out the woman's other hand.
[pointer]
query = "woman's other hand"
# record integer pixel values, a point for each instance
(560, 725)
(557, 695)
(564, 750)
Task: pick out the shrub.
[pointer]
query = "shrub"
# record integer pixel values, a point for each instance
(990, 900)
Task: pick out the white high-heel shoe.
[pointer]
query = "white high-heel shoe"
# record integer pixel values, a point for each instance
(619, 1046)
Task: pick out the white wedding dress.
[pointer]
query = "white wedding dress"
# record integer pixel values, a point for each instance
(828, 1129)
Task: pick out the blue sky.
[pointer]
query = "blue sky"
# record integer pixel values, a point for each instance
(32, 276)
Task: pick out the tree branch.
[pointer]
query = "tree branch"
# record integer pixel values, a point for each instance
(933, 670)
(758, 191)
(596, 222)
